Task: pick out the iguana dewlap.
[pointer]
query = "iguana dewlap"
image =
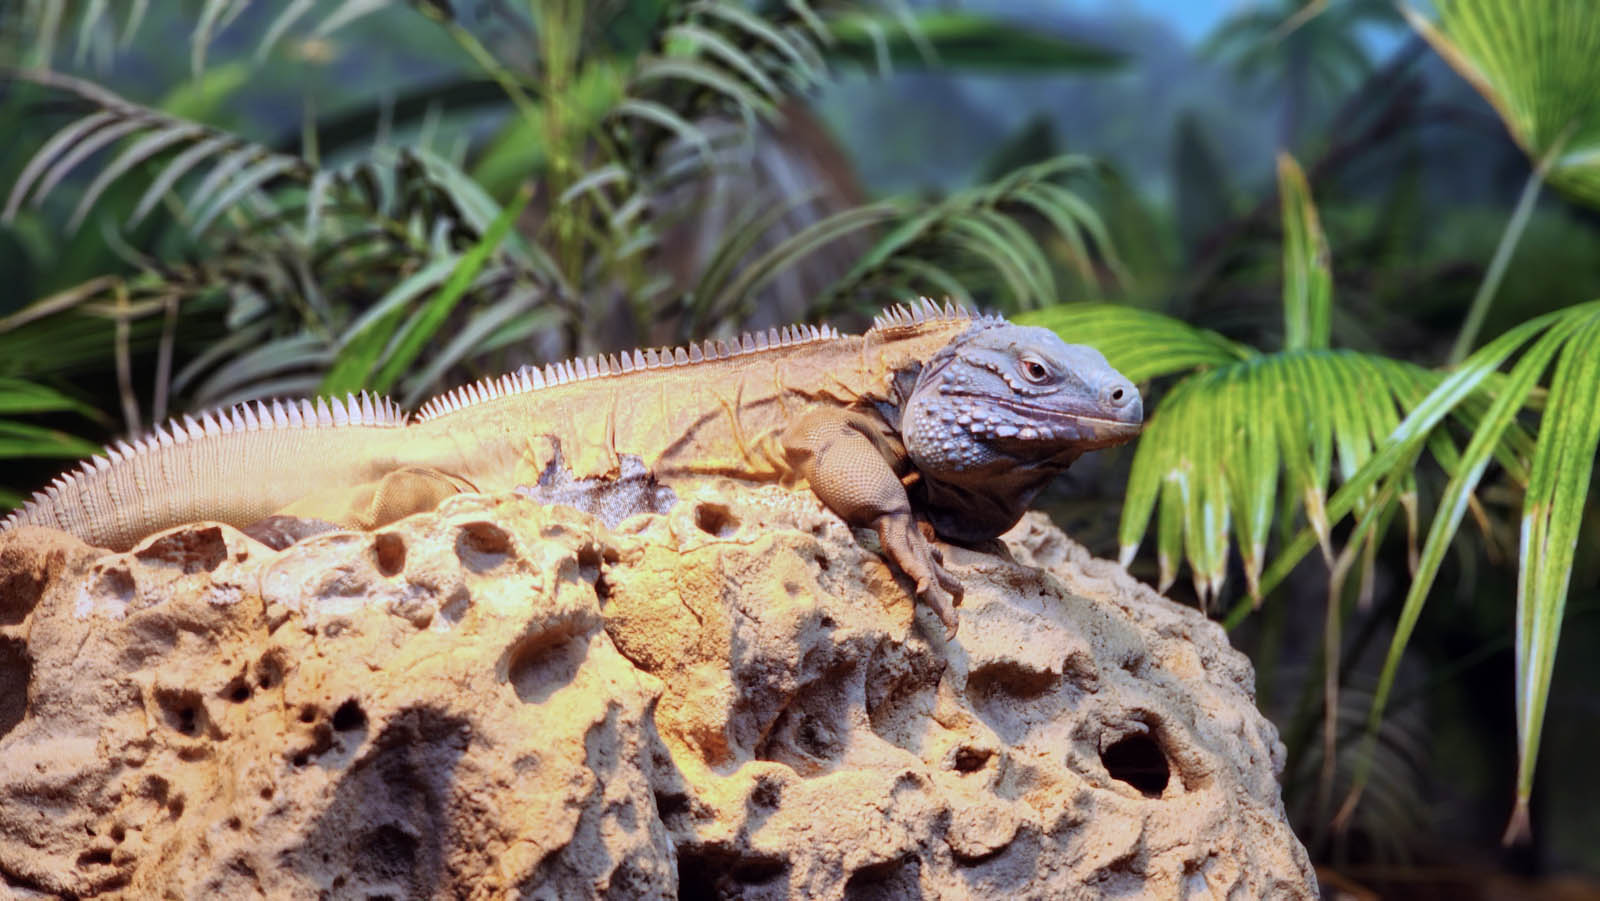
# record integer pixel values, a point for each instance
(933, 413)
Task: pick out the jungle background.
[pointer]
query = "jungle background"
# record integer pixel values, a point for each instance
(1347, 248)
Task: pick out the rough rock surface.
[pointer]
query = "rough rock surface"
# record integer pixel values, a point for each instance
(736, 699)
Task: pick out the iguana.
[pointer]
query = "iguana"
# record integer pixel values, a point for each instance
(956, 418)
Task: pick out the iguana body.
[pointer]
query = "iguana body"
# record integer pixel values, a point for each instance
(976, 413)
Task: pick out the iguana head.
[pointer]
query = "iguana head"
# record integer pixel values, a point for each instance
(1004, 407)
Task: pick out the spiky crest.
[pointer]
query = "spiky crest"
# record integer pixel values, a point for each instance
(362, 409)
(533, 378)
(376, 411)
(926, 309)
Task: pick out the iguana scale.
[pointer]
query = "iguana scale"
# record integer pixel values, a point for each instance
(934, 413)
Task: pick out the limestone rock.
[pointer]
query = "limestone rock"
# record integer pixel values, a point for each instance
(736, 699)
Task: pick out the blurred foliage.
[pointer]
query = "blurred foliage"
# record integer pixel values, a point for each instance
(1247, 442)
(1346, 354)
(639, 123)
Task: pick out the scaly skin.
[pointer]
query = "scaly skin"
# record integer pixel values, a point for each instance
(975, 414)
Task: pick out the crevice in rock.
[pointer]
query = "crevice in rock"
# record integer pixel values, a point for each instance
(1139, 761)
(540, 664)
(16, 674)
(195, 549)
(889, 880)
(808, 735)
(707, 874)
(715, 519)
(23, 578)
(389, 552)
(483, 546)
(183, 711)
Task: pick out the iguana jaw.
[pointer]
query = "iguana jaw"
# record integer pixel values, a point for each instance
(1082, 425)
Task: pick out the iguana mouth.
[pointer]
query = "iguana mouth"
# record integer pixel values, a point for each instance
(1076, 425)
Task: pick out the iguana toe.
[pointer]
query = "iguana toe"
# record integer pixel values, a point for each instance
(940, 601)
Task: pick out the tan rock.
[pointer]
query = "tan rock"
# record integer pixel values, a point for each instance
(502, 699)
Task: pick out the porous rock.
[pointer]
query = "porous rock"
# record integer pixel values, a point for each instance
(736, 699)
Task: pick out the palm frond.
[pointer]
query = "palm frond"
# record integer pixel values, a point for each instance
(979, 232)
(1214, 453)
(1141, 344)
(1536, 62)
(158, 133)
(1563, 460)
(375, 359)
(1307, 275)
(97, 23)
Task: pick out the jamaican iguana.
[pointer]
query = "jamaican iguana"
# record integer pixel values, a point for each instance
(935, 413)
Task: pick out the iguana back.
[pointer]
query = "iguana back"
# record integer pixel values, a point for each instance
(974, 412)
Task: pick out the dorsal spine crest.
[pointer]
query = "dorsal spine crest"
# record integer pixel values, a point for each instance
(534, 378)
(362, 409)
(925, 309)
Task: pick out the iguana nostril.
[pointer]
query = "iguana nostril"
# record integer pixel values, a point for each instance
(1118, 395)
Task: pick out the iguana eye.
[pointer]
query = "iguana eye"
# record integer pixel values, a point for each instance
(1035, 371)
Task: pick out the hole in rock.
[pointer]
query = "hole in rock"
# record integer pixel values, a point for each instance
(590, 559)
(24, 573)
(182, 709)
(1138, 760)
(238, 691)
(390, 550)
(1010, 678)
(118, 833)
(197, 549)
(671, 805)
(482, 546)
(308, 714)
(155, 788)
(808, 735)
(542, 663)
(705, 874)
(16, 672)
(269, 671)
(94, 857)
(391, 849)
(891, 879)
(114, 584)
(715, 519)
(768, 794)
(970, 759)
(349, 716)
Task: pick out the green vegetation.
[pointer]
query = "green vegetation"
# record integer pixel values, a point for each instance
(1346, 356)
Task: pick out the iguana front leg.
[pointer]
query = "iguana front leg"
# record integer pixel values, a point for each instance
(846, 458)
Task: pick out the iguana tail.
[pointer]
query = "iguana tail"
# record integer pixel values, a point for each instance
(235, 466)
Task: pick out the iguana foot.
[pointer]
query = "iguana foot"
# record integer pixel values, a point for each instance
(279, 531)
(943, 604)
(905, 544)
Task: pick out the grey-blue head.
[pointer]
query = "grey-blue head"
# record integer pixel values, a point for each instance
(1005, 407)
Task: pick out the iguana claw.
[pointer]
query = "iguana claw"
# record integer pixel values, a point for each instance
(942, 601)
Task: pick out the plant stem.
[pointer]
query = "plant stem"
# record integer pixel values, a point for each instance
(1497, 266)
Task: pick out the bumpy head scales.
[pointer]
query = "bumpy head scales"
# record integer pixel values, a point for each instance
(1004, 395)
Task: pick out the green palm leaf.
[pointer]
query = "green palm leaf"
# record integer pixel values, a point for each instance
(1563, 460)
(1141, 344)
(1223, 440)
(1536, 62)
(1307, 279)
